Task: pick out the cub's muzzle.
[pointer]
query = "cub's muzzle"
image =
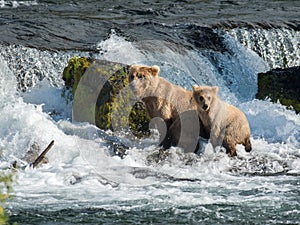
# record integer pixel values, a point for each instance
(205, 107)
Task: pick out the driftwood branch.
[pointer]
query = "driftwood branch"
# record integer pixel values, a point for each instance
(42, 155)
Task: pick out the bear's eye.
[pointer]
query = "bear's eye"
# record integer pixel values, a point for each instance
(201, 98)
(208, 98)
(140, 76)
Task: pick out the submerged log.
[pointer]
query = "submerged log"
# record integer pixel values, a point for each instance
(281, 85)
(33, 158)
(42, 155)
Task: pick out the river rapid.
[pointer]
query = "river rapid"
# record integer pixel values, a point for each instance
(223, 43)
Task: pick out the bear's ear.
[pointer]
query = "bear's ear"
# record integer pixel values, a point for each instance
(215, 89)
(133, 67)
(196, 87)
(155, 70)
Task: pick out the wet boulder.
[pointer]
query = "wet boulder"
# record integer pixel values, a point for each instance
(281, 85)
(74, 70)
(100, 94)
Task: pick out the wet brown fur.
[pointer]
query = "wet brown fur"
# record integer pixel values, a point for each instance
(223, 123)
(162, 99)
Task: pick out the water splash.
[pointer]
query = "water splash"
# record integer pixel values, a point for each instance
(238, 68)
(31, 65)
(7, 84)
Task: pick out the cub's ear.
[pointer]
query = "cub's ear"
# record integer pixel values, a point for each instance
(196, 87)
(155, 70)
(215, 89)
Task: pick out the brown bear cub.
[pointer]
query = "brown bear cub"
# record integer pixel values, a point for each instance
(223, 123)
(171, 103)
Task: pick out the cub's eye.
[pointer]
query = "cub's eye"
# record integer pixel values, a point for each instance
(140, 76)
(201, 98)
(208, 98)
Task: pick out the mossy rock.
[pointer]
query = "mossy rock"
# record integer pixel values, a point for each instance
(282, 85)
(113, 109)
(74, 71)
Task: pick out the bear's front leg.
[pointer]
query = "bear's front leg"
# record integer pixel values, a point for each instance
(216, 136)
(167, 141)
(185, 131)
(162, 126)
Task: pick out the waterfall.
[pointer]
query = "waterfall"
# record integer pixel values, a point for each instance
(278, 47)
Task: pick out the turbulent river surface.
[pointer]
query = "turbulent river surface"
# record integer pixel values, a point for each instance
(224, 43)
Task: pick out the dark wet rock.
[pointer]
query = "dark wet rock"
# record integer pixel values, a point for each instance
(109, 108)
(204, 38)
(282, 85)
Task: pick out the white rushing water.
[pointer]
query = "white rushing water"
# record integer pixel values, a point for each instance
(278, 47)
(82, 171)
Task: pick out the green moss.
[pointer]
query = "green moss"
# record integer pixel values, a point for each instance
(290, 103)
(139, 120)
(74, 71)
(5, 189)
(282, 85)
(112, 109)
(113, 102)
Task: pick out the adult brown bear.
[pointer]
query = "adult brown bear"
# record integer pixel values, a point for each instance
(169, 102)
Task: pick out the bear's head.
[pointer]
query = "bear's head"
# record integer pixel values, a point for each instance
(204, 96)
(142, 79)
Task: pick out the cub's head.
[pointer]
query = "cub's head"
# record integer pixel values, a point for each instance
(142, 78)
(204, 96)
